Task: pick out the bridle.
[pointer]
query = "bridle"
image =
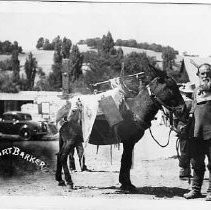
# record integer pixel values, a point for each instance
(158, 101)
(161, 106)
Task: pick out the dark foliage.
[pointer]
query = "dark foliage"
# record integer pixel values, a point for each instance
(30, 70)
(76, 61)
(15, 66)
(6, 47)
(97, 44)
(7, 85)
(6, 65)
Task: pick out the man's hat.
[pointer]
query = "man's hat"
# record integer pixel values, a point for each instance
(187, 88)
(205, 66)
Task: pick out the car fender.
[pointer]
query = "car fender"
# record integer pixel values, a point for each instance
(25, 126)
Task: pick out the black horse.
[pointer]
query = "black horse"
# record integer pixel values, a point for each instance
(157, 90)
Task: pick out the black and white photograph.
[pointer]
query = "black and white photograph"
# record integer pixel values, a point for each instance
(105, 105)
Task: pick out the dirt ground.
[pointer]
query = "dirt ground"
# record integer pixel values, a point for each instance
(154, 173)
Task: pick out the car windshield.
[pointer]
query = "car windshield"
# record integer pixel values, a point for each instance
(24, 117)
(8, 117)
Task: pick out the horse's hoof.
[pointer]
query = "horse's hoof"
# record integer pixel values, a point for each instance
(129, 188)
(62, 183)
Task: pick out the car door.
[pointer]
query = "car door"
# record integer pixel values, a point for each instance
(7, 123)
(18, 123)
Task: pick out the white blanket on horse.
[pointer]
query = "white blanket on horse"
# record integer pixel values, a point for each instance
(61, 113)
(91, 108)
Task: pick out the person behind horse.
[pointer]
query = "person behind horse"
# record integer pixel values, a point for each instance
(70, 136)
(201, 142)
(183, 132)
(78, 145)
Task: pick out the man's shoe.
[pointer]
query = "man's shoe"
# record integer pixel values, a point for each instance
(184, 173)
(208, 197)
(192, 194)
(72, 169)
(85, 168)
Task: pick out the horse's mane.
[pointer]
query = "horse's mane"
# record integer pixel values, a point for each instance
(151, 72)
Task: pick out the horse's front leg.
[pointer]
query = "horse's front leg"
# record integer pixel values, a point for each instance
(126, 163)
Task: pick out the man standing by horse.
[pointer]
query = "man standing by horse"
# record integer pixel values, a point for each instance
(201, 142)
(61, 120)
(183, 131)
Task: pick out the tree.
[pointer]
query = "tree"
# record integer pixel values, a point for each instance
(57, 43)
(120, 53)
(55, 77)
(6, 65)
(66, 46)
(101, 68)
(30, 67)
(42, 83)
(47, 45)
(15, 66)
(7, 85)
(168, 56)
(107, 43)
(137, 62)
(76, 61)
(7, 47)
(40, 43)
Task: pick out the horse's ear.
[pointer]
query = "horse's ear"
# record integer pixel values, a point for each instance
(152, 68)
(156, 71)
(160, 80)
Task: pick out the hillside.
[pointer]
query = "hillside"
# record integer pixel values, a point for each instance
(45, 58)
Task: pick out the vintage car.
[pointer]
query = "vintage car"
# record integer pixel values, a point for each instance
(20, 124)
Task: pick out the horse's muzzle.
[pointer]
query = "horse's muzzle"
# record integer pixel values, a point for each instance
(181, 112)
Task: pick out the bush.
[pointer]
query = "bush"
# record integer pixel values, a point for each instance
(7, 84)
(6, 65)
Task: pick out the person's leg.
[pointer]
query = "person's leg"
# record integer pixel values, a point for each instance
(184, 161)
(198, 157)
(208, 197)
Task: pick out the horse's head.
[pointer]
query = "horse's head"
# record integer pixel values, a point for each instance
(74, 114)
(163, 90)
(166, 92)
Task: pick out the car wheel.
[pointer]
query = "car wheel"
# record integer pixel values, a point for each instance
(25, 134)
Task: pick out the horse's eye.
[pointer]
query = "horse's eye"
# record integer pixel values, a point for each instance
(161, 80)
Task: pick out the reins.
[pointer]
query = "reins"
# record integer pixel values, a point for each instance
(165, 145)
(161, 105)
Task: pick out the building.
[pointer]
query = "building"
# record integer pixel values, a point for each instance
(42, 104)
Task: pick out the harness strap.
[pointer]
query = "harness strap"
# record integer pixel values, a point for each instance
(165, 145)
(153, 95)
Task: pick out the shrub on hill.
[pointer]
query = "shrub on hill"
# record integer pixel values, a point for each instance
(6, 47)
(97, 44)
(6, 65)
(7, 84)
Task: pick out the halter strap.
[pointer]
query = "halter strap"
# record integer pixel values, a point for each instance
(153, 95)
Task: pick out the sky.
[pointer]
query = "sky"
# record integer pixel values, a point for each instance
(184, 27)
